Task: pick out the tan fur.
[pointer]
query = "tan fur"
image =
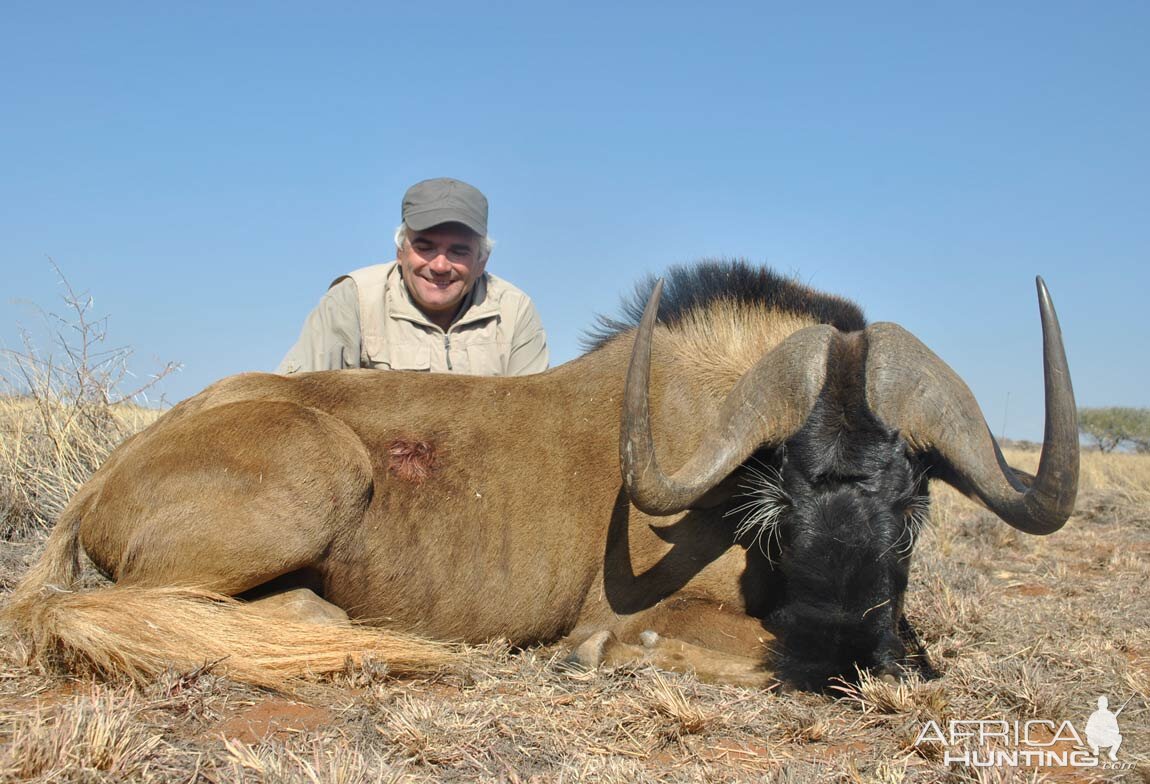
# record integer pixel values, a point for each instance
(715, 347)
(140, 632)
(503, 519)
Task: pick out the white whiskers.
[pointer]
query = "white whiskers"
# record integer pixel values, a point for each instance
(914, 518)
(764, 509)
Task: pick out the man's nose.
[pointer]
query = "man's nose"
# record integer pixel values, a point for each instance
(440, 264)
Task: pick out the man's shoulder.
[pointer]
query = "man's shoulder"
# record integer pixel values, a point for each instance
(515, 308)
(372, 274)
(503, 291)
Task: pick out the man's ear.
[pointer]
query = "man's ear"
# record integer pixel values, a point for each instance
(402, 237)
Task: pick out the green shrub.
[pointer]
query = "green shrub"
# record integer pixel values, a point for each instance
(1113, 427)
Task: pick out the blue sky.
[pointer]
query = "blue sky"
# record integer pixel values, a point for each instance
(204, 170)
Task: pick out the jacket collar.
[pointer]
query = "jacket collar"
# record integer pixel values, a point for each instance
(478, 305)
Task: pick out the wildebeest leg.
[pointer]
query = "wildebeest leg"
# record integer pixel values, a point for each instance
(697, 635)
(233, 497)
(299, 604)
(708, 665)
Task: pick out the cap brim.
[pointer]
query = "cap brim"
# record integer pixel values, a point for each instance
(428, 218)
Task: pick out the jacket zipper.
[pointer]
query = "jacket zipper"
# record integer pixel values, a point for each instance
(447, 349)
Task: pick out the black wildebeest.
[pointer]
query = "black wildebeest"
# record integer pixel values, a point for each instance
(753, 521)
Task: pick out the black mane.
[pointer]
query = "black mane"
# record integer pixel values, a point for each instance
(694, 287)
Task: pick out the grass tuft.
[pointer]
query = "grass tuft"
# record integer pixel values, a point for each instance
(102, 732)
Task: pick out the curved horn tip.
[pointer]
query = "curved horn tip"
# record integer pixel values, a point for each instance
(1043, 292)
(1046, 309)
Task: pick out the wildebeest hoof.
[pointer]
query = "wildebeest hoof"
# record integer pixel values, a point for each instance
(649, 638)
(589, 653)
(300, 605)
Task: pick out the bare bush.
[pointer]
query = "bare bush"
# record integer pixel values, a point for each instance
(63, 411)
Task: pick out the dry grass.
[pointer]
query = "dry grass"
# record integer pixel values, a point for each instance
(48, 448)
(1020, 627)
(100, 732)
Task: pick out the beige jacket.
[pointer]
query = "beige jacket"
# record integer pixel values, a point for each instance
(367, 319)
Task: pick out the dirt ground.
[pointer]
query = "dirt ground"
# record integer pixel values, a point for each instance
(1023, 629)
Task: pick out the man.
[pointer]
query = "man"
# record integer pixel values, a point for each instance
(434, 308)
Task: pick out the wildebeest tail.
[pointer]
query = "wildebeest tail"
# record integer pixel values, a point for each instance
(58, 567)
(142, 631)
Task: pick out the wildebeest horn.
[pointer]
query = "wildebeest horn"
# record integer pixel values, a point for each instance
(766, 406)
(911, 389)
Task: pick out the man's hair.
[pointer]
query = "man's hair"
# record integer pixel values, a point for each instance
(486, 244)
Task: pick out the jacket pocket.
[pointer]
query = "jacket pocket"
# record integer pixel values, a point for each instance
(381, 355)
(485, 359)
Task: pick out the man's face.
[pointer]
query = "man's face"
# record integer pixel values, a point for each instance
(440, 265)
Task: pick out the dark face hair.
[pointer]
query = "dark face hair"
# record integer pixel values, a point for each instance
(854, 501)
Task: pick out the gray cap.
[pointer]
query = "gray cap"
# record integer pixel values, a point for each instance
(444, 200)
